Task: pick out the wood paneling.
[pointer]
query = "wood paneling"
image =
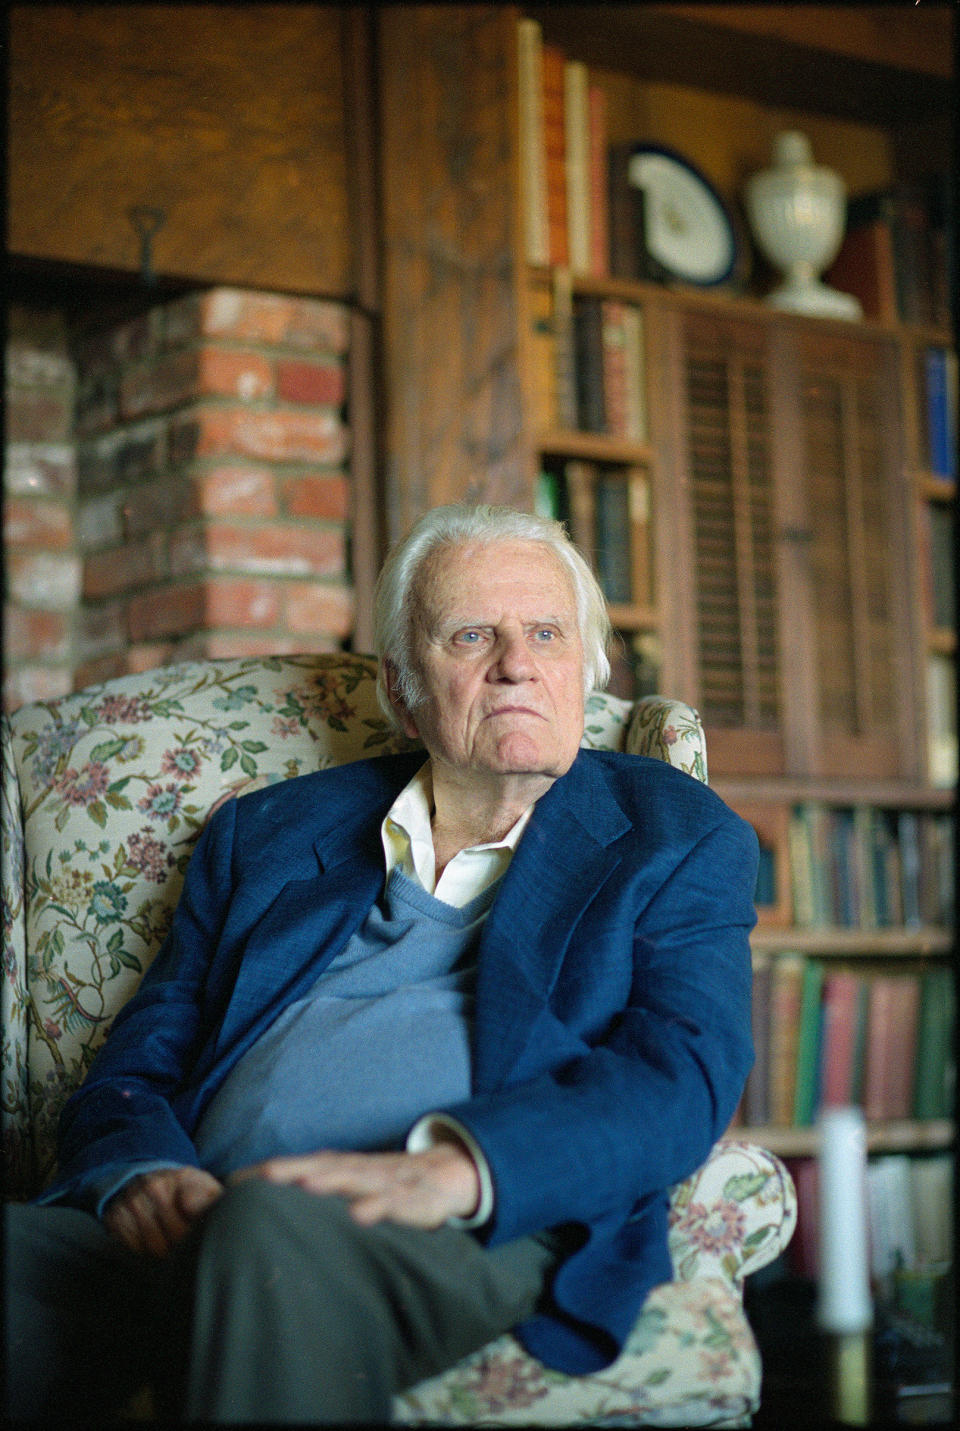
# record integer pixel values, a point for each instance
(448, 97)
(229, 118)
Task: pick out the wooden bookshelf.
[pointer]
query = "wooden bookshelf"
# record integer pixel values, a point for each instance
(786, 467)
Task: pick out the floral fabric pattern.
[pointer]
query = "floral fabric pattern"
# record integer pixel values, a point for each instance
(104, 793)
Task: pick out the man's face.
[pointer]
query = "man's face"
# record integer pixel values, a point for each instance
(497, 645)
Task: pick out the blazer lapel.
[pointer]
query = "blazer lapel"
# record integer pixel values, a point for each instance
(561, 863)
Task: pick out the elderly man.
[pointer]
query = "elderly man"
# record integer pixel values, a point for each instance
(428, 1042)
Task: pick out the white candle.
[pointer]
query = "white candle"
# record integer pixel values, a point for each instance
(844, 1304)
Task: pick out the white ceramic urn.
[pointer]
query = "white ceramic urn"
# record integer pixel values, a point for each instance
(797, 211)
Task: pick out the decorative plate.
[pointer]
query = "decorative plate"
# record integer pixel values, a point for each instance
(688, 230)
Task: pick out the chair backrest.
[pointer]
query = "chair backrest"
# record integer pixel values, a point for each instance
(104, 794)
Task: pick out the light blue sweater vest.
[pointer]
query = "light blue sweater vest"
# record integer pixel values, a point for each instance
(382, 1038)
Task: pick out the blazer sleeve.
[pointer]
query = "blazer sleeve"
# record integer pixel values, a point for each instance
(121, 1115)
(587, 1140)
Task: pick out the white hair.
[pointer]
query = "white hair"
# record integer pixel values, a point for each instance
(459, 525)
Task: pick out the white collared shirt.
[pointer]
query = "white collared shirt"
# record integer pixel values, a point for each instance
(408, 842)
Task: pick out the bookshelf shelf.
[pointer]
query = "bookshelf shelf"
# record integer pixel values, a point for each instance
(896, 1137)
(841, 943)
(594, 447)
(893, 795)
(934, 488)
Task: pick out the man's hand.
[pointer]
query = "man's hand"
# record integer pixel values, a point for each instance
(155, 1210)
(417, 1189)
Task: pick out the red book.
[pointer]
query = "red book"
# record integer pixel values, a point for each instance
(841, 1012)
(902, 1062)
(555, 152)
(865, 267)
(599, 223)
(893, 1007)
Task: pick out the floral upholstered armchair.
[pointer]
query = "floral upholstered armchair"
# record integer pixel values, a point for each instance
(104, 794)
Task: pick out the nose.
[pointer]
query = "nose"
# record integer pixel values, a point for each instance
(514, 660)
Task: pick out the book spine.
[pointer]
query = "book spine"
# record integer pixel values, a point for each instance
(533, 172)
(641, 536)
(588, 364)
(614, 367)
(941, 413)
(613, 536)
(577, 132)
(555, 153)
(636, 373)
(563, 348)
(599, 217)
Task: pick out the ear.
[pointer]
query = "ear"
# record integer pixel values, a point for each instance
(392, 684)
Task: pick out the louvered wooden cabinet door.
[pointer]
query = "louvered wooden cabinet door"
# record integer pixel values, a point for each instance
(856, 531)
(730, 531)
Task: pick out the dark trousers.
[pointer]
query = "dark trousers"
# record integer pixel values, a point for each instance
(276, 1307)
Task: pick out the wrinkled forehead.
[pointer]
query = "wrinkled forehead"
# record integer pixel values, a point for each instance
(479, 575)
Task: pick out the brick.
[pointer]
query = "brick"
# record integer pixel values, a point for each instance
(159, 385)
(98, 403)
(41, 469)
(276, 550)
(125, 568)
(148, 655)
(141, 337)
(38, 416)
(172, 611)
(35, 633)
(275, 319)
(311, 384)
(99, 668)
(157, 505)
(235, 491)
(187, 552)
(242, 374)
(321, 496)
(25, 684)
(319, 326)
(100, 628)
(241, 602)
(98, 522)
(127, 455)
(317, 608)
(39, 523)
(245, 316)
(315, 437)
(49, 581)
(221, 644)
(38, 366)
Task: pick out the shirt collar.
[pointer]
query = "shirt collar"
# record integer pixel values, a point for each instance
(408, 844)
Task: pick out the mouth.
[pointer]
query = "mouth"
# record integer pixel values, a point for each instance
(514, 710)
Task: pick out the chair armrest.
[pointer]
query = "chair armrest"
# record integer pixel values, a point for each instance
(733, 1215)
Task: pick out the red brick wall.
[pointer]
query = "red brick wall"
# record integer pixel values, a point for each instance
(203, 496)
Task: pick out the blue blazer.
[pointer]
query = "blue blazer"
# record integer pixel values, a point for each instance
(612, 1015)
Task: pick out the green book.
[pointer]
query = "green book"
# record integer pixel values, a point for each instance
(807, 1097)
(931, 1095)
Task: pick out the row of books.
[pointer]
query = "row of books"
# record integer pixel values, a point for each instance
(938, 428)
(894, 255)
(909, 1215)
(589, 362)
(607, 512)
(867, 868)
(563, 147)
(828, 1035)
